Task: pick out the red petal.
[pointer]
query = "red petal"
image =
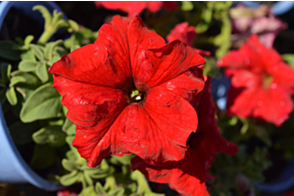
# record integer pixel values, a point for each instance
(154, 6)
(183, 33)
(170, 5)
(93, 109)
(252, 55)
(283, 75)
(244, 78)
(188, 175)
(140, 40)
(83, 65)
(273, 105)
(165, 64)
(184, 176)
(244, 102)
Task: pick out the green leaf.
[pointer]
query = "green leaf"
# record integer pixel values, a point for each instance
(54, 59)
(11, 96)
(2, 84)
(89, 191)
(70, 155)
(79, 159)
(15, 80)
(42, 72)
(99, 189)
(38, 51)
(69, 165)
(5, 72)
(74, 47)
(70, 178)
(143, 186)
(70, 42)
(45, 13)
(87, 179)
(27, 65)
(57, 16)
(51, 135)
(73, 25)
(21, 133)
(28, 55)
(31, 83)
(28, 40)
(49, 49)
(68, 127)
(125, 160)
(117, 192)
(43, 103)
(187, 6)
(43, 157)
(289, 58)
(61, 23)
(98, 173)
(233, 121)
(30, 78)
(7, 51)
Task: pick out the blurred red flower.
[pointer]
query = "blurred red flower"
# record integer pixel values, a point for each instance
(136, 7)
(182, 32)
(289, 193)
(127, 93)
(262, 82)
(188, 175)
(66, 193)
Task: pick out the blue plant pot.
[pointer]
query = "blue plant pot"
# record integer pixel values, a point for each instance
(282, 183)
(278, 8)
(13, 169)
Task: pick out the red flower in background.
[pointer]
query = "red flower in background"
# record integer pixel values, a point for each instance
(127, 93)
(66, 193)
(136, 7)
(188, 175)
(262, 82)
(182, 32)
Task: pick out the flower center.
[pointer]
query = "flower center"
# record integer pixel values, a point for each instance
(267, 80)
(137, 96)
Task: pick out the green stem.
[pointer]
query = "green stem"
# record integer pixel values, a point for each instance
(46, 35)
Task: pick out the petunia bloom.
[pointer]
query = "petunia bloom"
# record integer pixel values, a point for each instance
(182, 32)
(262, 82)
(127, 93)
(136, 7)
(188, 175)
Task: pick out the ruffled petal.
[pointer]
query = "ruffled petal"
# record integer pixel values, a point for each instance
(164, 64)
(252, 56)
(183, 33)
(141, 39)
(184, 175)
(93, 109)
(90, 65)
(242, 102)
(273, 105)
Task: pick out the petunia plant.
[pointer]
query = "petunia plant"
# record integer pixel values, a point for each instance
(130, 109)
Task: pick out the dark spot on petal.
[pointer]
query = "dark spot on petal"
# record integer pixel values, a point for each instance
(67, 60)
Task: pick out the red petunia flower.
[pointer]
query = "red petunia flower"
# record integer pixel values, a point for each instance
(127, 93)
(188, 175)
(262, 82)
(136, 7)
(182, 32)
